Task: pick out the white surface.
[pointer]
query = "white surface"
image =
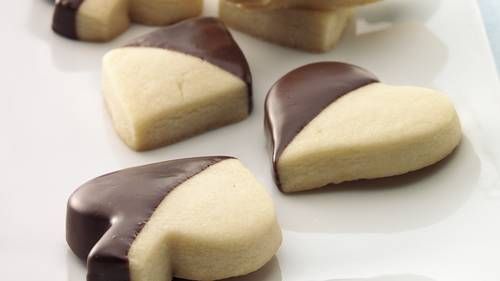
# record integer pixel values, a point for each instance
(491, 14)
(440, 224)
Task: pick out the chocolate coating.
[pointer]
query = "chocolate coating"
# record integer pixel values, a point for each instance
(299, 96)
(105, 215)
(64, 20)
(206, 38)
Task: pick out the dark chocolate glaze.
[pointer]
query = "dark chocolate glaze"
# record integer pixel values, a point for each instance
(206, 38)
(299, 96)
(64, 20)
(105, 215)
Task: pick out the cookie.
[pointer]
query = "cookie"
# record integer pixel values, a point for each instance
(176, 82)
(163, 12)
(201, 218)
(310, 30)
(307, 4)
(97, 20)
(90, 20)
(332, 122)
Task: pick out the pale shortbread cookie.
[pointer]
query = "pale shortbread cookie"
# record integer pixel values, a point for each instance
(331, 122)
(103, 20)
(157, 97)
(203, 218)
(308, 4)
(218, 224)
(311, 30)
(176, 82)
(163, 12)
(98, 20)
(375, 131)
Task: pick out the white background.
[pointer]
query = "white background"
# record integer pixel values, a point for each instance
(439, 224)
(491, 15)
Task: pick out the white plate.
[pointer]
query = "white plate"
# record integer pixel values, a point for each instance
(440, 224)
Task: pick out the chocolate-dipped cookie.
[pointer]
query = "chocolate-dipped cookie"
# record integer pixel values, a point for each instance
(201, 218)
(90, 20)
(98, 20)
(302, 28)
(332, 122)
(176, 82)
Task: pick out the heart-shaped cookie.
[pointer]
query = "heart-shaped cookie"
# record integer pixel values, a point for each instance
(176, 82)
(332, 122)
(103, 20)
(201, 218)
